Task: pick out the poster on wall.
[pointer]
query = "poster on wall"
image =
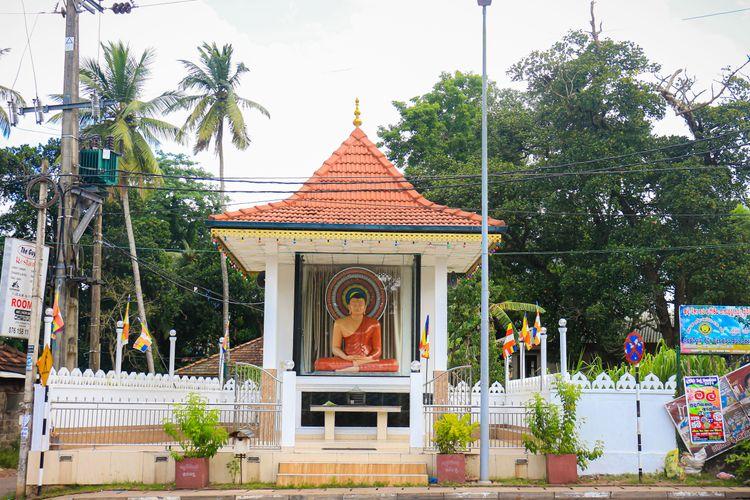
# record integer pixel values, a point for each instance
(715, 329)
(735, 397)
(704, 410)
(16, 287)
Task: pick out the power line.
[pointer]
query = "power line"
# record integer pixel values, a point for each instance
(715, 14)
(28, 44)
(627, 250)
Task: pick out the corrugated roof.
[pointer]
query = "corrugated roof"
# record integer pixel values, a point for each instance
(249, 352)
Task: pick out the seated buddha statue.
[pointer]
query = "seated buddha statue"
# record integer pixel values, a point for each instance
(356, 342)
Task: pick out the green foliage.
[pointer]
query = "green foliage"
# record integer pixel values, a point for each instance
(739, 459)
(196, 429)
(553, 428)
(453, 433)
(9, 456)
(672, 467)
(662, 363)
(234, 467)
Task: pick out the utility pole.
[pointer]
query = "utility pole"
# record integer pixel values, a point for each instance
(95, 349)
(33, 342)
(67, 351)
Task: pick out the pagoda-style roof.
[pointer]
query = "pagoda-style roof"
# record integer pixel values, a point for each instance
(356, 189)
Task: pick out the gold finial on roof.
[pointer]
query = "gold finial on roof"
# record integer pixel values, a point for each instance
(357, 122)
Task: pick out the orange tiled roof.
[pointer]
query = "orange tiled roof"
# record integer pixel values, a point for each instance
(11, 359)
(249, 352)
(357, 185)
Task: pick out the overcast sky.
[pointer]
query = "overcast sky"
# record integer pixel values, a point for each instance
(309, 59)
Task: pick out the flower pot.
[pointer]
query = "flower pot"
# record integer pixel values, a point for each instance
(451, 468)
(562, 469)
(191, 473)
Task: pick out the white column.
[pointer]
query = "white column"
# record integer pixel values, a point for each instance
(416, 407)
(522, 360)
(47, 327)
(507, 373)
(440, 332)
(118, 354)
(172, 345)
(563, 348)
(221, 365)
(543, 371)
(288, 405)
(270, 309)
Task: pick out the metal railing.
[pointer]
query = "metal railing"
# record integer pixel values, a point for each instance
(453, 386)
(79, 425)
(508, 424)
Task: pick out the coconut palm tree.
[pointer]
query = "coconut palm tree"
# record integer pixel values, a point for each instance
(214, 109)
(7, 95)
(135, 128)
(498, 311)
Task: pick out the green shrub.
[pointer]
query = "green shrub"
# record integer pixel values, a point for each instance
(453, 433)
(196, 429)
(739, 459)
(9, 457)
(553, 428)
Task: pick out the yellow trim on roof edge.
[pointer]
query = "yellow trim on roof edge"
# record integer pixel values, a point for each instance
(289, 234)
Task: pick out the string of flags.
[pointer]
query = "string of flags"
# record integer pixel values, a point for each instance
(530, 336)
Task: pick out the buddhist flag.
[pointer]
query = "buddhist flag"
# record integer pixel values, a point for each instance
(57, 320)
(509, 343)
(126, 324)
(525, 333)
(143, 342)
(424, 341)
(537, 329)
(225, 339)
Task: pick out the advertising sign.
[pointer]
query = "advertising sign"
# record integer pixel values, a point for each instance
(735, 397)
(715, 329)
(704, 410)
(16, 287)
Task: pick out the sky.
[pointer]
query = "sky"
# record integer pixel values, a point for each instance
(309, 59)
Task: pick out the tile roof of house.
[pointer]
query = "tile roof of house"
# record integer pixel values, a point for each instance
(11, 359)
(357, 185)
(249, 352)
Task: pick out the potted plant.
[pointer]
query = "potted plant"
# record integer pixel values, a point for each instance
(199, 434)
(554, 433)
(452, 435)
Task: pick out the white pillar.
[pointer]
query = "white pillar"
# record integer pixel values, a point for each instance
(270, 309)
(288, 405)
(563, 348)
(47, 327)
(221, 365)
(440, 333)
(507, 373)
(522, 360)
(416, 407)
(543, 371)
(172, 345)
(118, 354)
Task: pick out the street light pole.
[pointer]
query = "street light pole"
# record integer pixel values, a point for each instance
(484, 411)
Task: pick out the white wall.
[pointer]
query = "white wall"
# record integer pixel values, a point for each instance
(285, 315)
(427, 306)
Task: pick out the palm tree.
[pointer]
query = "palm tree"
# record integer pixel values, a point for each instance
(215, 106)
(135, 127)
(7, 95)
(498, 311)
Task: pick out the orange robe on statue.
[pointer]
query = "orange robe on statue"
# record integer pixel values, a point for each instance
(364, 341)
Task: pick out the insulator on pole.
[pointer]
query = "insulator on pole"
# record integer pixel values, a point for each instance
(96, 107)
(12, 113)
(38, 112)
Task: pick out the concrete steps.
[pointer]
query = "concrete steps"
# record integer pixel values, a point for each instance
(321, 473)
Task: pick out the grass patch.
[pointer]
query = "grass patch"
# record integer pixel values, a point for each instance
(9, 457)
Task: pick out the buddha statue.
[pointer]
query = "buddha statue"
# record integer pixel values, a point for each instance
(356, 343)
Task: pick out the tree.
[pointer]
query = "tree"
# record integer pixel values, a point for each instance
(7, 95)
(214, 107)
(135, 127)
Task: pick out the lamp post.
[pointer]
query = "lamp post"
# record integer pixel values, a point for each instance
(484, 411)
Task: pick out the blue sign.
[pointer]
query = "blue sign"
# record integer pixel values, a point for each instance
(633, 348)
(715, 329)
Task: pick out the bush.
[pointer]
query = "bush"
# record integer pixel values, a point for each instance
(554, 432)
(453, 433)
(9, 457)
(739, 459)
(196, 429)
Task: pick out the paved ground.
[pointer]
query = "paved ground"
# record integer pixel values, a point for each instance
(498, 492)
(7, 482)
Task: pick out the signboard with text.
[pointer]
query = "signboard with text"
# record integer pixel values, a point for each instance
(715, 329)
(16, 287)
(705, 418)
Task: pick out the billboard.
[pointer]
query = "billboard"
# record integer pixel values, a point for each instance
(16, 287)
(705, 418)
(715, 329)
(735, 397)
